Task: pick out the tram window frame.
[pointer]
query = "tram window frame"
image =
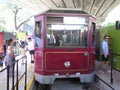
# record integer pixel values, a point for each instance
(81, 37)
(38, 34)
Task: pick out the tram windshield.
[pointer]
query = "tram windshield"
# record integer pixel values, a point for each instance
(67, 32)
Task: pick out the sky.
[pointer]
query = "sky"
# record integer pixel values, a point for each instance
(113, 16)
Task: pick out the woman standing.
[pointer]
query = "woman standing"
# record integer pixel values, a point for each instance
(10, 56)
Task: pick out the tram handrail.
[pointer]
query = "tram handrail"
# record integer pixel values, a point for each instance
(15, 85)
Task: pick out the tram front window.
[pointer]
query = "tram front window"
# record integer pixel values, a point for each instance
(67, 32)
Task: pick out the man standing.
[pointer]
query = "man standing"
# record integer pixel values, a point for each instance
(31, 49)
(105, 53)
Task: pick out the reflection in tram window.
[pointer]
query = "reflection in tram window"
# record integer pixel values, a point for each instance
(38, 40)
(67, 33)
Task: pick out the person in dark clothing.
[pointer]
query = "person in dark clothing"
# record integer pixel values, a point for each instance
(5, 47)
(1, 63)
(57, 38)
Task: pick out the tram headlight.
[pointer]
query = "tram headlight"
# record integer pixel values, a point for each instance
(67, 64)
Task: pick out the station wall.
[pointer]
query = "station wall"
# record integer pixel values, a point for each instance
(115, 46)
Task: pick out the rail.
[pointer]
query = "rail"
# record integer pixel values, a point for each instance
(15, 85)
(104, 82)
(112, 68)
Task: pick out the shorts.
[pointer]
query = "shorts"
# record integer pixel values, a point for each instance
(105, 59)
(31, 52)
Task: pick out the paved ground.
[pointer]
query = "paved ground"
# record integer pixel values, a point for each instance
(106, 77)
(66, 84)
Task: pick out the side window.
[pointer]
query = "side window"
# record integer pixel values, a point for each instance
(38, 34)
(93, 34)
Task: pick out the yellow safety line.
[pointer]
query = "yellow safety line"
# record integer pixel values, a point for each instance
(24, 75)
(20, 82)
(30, 82)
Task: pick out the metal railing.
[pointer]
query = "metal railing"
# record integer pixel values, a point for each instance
(15, 86)
(104, 82)
(112, 68)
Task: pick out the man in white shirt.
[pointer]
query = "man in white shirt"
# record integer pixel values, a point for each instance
(105, 53)
(31, 49)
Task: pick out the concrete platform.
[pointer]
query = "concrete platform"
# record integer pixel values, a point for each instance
(106, 77)
(30, 75)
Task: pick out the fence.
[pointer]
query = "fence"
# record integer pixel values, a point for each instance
(112, 68)
(15, 85)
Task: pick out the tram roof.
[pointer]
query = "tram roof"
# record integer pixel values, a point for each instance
(97, 8)
(66, 11)
(61, 11)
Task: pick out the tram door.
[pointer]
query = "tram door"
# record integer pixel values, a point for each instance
(39, 42)
(92, 65)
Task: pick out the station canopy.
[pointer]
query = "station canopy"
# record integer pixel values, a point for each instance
(97, 8)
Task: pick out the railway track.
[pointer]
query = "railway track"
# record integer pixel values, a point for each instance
(64, 84)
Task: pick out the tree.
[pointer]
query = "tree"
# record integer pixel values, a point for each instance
(2, 24)
(17, 27)
(15, 9)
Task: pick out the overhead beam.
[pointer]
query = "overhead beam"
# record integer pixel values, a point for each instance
(74, 4)
(87, 5)
(49, 3)
(92, 5)
(64, 3)
(45, 4)
(54, 3)
(83, 5)
(69, 3)
(108, 7)
(39, 4)
(100, 7)
(117, 2)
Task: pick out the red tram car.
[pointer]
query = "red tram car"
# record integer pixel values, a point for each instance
(64, 46)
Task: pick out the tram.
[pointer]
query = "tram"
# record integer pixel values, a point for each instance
(64, 46)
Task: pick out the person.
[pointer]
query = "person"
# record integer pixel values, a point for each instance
(5, 46)
(93, 41)
(31, 49)
(23, 47)
(57, 38)
(105, 54)
(10, 57)
(52, 39)
(1, 63)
